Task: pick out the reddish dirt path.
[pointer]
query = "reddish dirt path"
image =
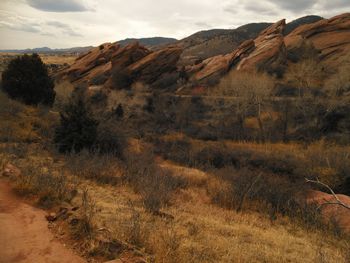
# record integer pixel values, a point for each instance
(24, 235)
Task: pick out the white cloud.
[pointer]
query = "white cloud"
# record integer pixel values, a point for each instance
(63, 23)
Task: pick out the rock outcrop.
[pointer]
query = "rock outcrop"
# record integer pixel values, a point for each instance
(93, 63)
(266, 52)
(271, 51)
(134, 62)
(128, 55)
(152, 66)
(331, 37)
(95, 67)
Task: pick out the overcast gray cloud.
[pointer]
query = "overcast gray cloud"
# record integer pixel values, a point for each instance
(66, 29)
(306, 5)
(58, 5)
(263, 8)
(326, 4)
(67, 23)
(26, 27)
(294, 5)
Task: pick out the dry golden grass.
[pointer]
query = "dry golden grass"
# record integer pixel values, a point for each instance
(202, 232)
(20, 123)
(47, 59)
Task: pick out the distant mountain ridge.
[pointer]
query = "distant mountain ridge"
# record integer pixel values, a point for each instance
(148, 42)
(301, 21)
(48, 50)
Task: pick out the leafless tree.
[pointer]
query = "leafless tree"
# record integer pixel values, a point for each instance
(305, 75)
(250, 93)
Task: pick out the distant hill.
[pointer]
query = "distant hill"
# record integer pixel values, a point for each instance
(301, 21)
(47, 50)
(150, 42)
(253, 29)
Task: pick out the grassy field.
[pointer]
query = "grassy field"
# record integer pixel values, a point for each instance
(62, 59)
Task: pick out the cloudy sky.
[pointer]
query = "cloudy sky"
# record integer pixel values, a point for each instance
(68, 23)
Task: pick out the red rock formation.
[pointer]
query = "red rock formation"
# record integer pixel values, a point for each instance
(330, 36)
(95, 67)
(133, 62)
(129, 55)
(95, 62)
(269, 53)
(213, 68)
(266, 52)
(340, 214)
(152, 66)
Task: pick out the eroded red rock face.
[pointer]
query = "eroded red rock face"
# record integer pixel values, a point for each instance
(155, 64)
(95, 67)
(93, 63)
(137, 62)
(269, 52)
(129, 55)
(330, 36)
(266, 51)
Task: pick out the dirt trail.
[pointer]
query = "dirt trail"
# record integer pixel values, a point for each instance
(24, 235)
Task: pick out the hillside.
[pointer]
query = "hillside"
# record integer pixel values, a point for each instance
(301, 21)
(151, 42)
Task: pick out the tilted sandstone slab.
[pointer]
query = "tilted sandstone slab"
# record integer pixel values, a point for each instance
(331, 37)
(266, 52)
(269, 52)
(96, 58)
(152, 66)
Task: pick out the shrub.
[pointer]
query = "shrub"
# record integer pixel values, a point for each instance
(84, 227)
(155, 184)
(110, 138)
(77, 129)
(50, 187)
(119, 111)
(27, 80)
(104, 169)
(242, 188)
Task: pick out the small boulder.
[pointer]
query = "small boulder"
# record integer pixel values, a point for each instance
(51, 217)
(11, 170)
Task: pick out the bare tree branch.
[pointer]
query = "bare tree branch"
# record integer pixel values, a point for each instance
(337, 202)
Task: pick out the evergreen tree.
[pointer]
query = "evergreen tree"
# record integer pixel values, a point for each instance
(119, 111)
(77, 129)
(26, 79)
